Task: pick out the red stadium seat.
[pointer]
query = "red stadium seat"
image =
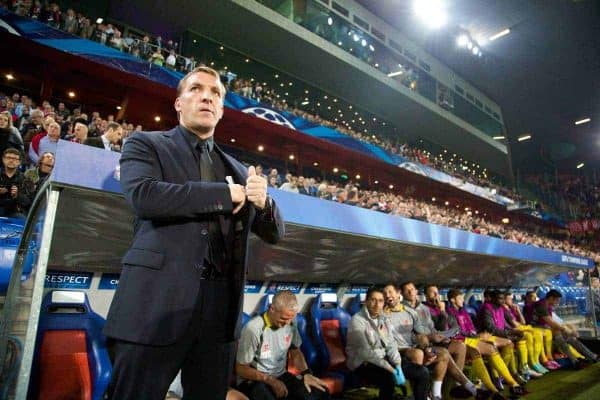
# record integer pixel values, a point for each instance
(64, 365)
(329, 324)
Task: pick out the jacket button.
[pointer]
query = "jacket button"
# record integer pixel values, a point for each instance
(204, 232)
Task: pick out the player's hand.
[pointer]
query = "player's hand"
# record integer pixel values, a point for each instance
(311, 381)
(278, 387)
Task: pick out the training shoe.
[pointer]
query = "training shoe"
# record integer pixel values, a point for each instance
(460, 392)
(517, 391)
(552, 365)
(498, 383)
(483, 394)
(533, 374)
(520, 380)
(538, 368)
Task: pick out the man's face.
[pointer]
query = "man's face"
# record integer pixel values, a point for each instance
(498, 299)
(200, 104)
(554, 301)
(80, 131)
(37, 118)
(509, 300)
(459, 300)
(410, 292)
(259, 170)
(432, 294)
(53, 132)
(391, 295)
(4, 121)
(11, 161)
(15, 97)
(114, 135)
(47, 164)
(281, 317)
(375, 304)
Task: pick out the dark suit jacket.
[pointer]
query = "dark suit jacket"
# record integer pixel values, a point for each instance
(160, 279)
(94, 142)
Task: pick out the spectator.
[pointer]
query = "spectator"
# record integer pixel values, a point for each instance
(171, 60)
(48, 143)
(36, 176)
(80, 132)
(9, 135)
(145, 48)
(157, 58)
(34, 126)
(13, 198)
(110, 140)
(70, 23)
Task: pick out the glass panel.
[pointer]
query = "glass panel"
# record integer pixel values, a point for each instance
(17, 311)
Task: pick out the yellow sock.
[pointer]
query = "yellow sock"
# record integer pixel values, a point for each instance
(522, 350)
(548, 344)
(500, 366)
(481, 372)
(575, 352)
(538, 345)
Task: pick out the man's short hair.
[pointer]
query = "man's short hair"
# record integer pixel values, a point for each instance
(285, 299)
(80, 121)
(206, 70)
(453, 293)
(554, 293)
(36, 112)
(113, 126)
(392, 284)
(11, 150)
(373, 289)
(429, 285)
(403, 285)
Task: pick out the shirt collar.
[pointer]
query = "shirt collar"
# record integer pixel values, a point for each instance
(194, 140)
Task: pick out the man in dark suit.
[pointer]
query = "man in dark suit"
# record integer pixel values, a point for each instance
(110, 140)
(180, 294)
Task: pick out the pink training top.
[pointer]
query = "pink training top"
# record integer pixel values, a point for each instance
(497, 314)
(465, 323)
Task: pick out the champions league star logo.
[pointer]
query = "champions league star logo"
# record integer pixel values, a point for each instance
(412, 167)
(269, 115)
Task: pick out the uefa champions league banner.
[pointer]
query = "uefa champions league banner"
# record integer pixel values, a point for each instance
(439, 176)
(292, 121)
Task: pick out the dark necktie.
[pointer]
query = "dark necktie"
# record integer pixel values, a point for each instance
(216, 244)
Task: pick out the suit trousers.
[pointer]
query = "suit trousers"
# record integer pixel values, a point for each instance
(144, 372)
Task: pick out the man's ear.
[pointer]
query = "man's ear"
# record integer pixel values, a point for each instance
(177, 105)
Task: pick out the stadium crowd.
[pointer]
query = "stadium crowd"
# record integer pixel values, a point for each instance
(34, 129)
(163, 52)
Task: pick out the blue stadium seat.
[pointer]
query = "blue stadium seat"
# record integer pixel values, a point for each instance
(245, 318)
(329, 324)
(264, 303)
(356, 303)
(71, 356)
(11, 230)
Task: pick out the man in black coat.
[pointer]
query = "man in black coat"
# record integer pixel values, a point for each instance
(180, 294)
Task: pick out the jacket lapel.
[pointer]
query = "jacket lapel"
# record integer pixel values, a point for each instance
(187, 158)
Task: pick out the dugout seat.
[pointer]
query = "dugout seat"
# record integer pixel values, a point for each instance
(356, 303)
(71, 358)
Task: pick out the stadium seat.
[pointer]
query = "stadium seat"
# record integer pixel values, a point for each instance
(71, 357)
(329, 324)
(11, 230)
(356, 303)
(245, 318)
(264, 303)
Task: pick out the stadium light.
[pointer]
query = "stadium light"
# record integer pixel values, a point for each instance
(261, 147)
(316, 164)
(157, 118)
(357, 176)
(579, 166)
(499, 137)
(475, 50)
(524, 137)
(469, 45)
(335, 170)
(71, 94)
(329, 21)
(505, 220)
(431, 12)
(392, 74)
(462, 40)
(304, 103)
(232, 140)
(99, 20)
(499, 34)
(9, 77)
(292, 157)
(583, 121)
